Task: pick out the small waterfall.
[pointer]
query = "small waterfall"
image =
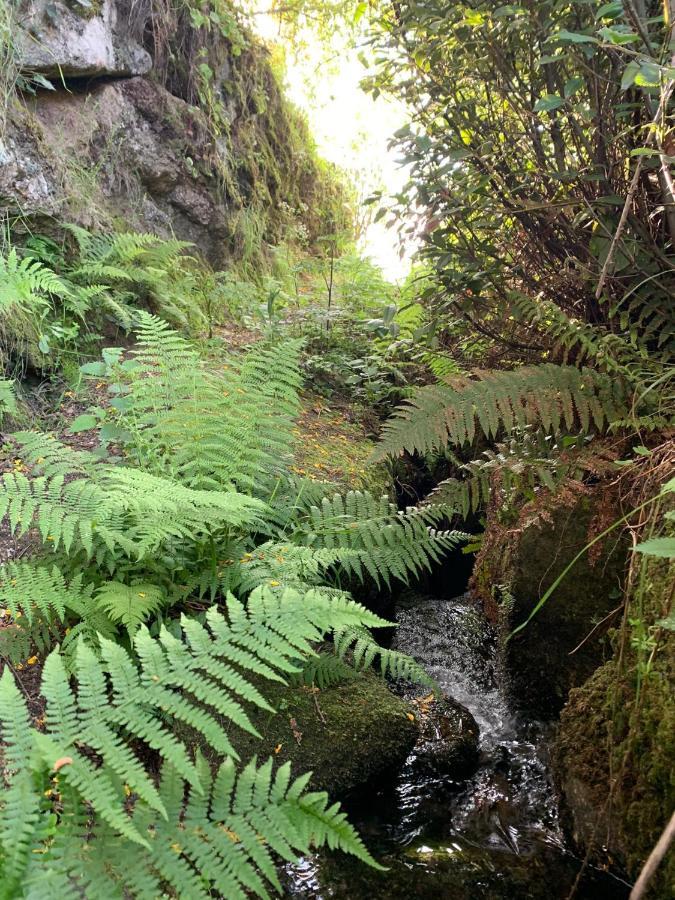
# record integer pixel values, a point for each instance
(493, 836)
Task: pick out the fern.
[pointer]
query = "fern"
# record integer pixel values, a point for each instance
(554, 397)
(194, 679)
(27, 588)
(233, 428)
(380, 540)
(8, 406)
(27, 282)
(117, 508)
(130, 604)
(219, 841)
(48, 456)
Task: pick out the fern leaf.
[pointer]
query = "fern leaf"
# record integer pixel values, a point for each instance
(556, 396)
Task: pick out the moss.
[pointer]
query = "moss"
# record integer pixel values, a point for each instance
(615, 752)
(517, 564)
(344, 734)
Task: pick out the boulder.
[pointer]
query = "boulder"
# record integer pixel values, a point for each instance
(346, 734)
(448, 741)
(614, 753)
(73, 40)
(567, 639)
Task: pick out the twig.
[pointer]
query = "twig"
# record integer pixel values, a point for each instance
(594, 629)
(622, 223)
(318, 709)
(654, 860)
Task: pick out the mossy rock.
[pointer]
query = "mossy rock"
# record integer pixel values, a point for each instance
(556, 651)
(614, 740)
(345, 734)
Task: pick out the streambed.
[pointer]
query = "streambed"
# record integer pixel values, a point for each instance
(493, 835)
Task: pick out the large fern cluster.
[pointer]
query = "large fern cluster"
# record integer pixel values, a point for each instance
(537, 419)
(209, 429)
(553, 397)
(149, 834)
(197, 507)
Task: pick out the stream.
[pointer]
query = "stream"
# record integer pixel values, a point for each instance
(493, 835)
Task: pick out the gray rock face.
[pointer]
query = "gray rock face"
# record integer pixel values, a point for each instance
(57, 40)
(125, 151)
(125, 140)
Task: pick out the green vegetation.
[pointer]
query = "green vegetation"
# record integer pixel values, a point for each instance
(185, 546)
(200, 509)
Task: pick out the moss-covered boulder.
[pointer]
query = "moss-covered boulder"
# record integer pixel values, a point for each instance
(614, 757)
(345, 734)
(566, 641)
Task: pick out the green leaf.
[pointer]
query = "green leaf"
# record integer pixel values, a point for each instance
(548, 102)
(93, 368)
(42, 82)
(629, 75)
(648, 76)
(84, 422)
(669, 487)
(668, 623)
(662, 546)
(610, 10)
(573, 37)
(573, 85)
(111, 432)
(619, 35)
(359, 11)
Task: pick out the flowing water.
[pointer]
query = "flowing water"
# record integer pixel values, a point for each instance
(494, 835)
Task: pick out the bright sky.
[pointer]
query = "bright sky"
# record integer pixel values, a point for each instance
(351, 129)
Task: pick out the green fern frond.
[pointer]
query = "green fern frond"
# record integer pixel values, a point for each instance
(193, 680)
(555, 397)
(212, 430)
(27, 588)
(27, 282)
(286, 564)
(117, 508)
(358, 646)
(7, 399)
(130, 604)
(383, 542)
(325, 670)
(220, 835)
(48, 456)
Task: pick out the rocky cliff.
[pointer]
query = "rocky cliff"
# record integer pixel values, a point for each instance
(157, 118)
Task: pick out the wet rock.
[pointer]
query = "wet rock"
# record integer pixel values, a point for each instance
(75, 40)
(561, 646)
(448, 742)
(453, 872)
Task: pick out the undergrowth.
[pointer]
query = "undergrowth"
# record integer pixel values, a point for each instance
(175, 561)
